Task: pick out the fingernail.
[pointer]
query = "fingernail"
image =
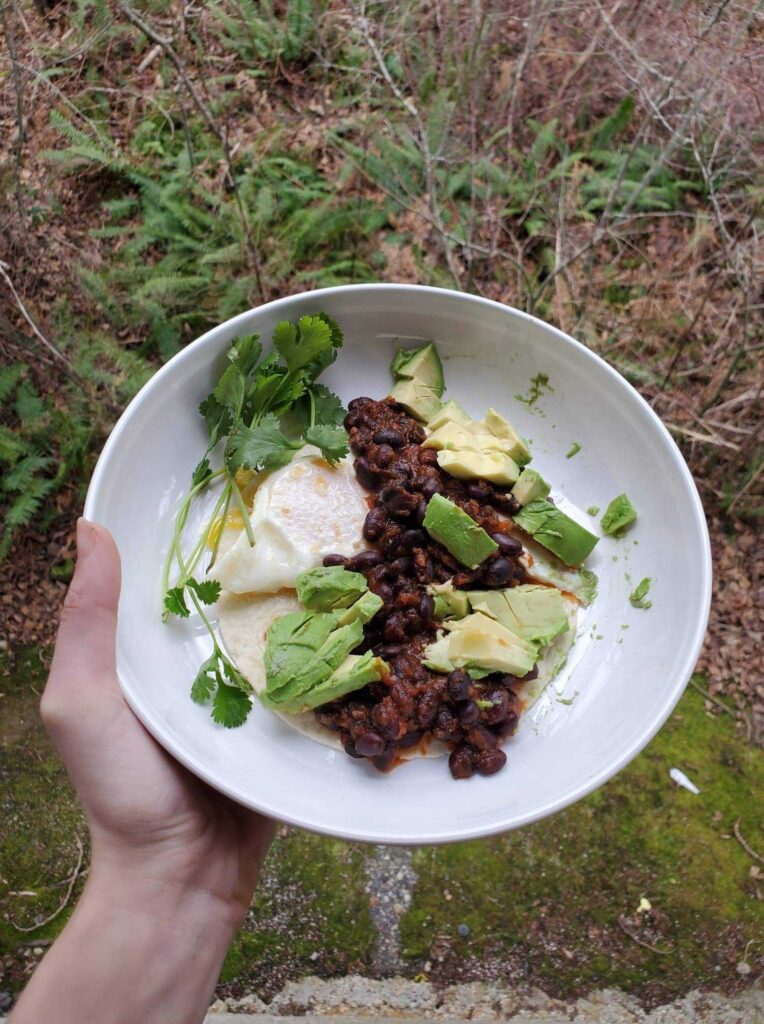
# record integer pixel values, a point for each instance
(85, 538)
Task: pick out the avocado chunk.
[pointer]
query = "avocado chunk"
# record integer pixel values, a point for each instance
(496, 424)
(364, 609)
(449, 602)
(418, 399)
(449, 412)
(619, 514)
(437, 659)
(329, 587)
(454, 437)
(319, 666)
(457, 532)
(292, 642)
(493, 466)
(482, 645)
(530, 611)
(418, 381)
(422, 364)
(356, 671)
(530, 486)
(555, 531)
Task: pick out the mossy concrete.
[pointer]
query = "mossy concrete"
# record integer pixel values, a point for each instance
(553, 905)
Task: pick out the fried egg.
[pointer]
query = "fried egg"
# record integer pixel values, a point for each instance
(301, 513)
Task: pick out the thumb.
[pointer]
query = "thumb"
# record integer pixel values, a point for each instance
(84, 661)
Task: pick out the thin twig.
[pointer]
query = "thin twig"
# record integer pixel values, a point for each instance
(641, 942)
(67, 896)
(4, 267)
(744, 844)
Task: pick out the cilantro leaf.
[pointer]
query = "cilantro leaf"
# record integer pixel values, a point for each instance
(303, 345)
(260, 447)
(245, 352)
(217, 418)
(329, 408)
(175, 602)
(337, 337)
(333, 441)
(208, 591)
(229, 390)
(230, 706)
(206, 679)
(202, 472)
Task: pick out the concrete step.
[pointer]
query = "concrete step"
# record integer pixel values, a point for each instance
(357, 1000)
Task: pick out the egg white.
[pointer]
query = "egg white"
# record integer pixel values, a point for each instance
(301, 513)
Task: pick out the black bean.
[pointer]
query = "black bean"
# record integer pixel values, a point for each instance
(499, 707)
(479, 491)
(488, 762)
(458, 685)
(369, 744)
(364, 561)
(410, 739)
(364, 474)
(498, 573)
(480, 738)
(388, 436)
(427, 456)
(445, 727)
(415, 433)
(350, 748)
(381, 456)
(530, 676)
(383, 590)
(389, 650)
(401, 567)
(426, 709)
(462, 762)
(430, 487)
(506, 502)
(401, 503)
(384, 761)
(386, 718)
(375, 523)
(508, 545)
(421, 511)
(426, 607)
(469, 714)
(508, 726)
(334, 560)
(411, 539)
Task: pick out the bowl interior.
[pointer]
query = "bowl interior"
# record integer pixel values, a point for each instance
(627, 669)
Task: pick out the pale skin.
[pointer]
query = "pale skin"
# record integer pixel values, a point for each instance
(174, 864)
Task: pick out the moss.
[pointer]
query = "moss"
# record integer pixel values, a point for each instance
(310, 915)
(551, 902)
(41, 819)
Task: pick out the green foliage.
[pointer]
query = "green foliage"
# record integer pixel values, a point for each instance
(41, 446)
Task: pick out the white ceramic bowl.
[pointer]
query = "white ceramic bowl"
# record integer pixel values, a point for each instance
(628, 668)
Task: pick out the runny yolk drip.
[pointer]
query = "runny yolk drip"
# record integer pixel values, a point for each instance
(233, 521)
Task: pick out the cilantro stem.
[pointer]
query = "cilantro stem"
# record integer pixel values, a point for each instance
(312, 401)
(196, 552)
(180, 522)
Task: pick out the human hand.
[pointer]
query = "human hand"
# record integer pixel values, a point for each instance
(174, 864)
(147, 815)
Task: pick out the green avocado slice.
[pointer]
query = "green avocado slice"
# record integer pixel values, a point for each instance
(329, 587)
(557, 532)
(356, 671)
(450, 526)
(318, 667)
(292, 642)
(619, 514)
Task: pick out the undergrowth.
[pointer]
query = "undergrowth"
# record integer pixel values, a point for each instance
(182, 166)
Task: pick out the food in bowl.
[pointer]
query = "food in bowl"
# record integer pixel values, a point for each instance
(410, 599)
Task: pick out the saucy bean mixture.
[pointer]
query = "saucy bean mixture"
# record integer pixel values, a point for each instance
(413, 704)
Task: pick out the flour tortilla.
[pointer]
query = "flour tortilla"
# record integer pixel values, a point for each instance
(244, 620)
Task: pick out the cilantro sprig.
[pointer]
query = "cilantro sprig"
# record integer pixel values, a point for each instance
(262, 409)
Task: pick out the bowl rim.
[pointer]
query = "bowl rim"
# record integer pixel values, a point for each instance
(454, 834)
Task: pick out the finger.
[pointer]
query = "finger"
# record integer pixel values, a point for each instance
(84, 662)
